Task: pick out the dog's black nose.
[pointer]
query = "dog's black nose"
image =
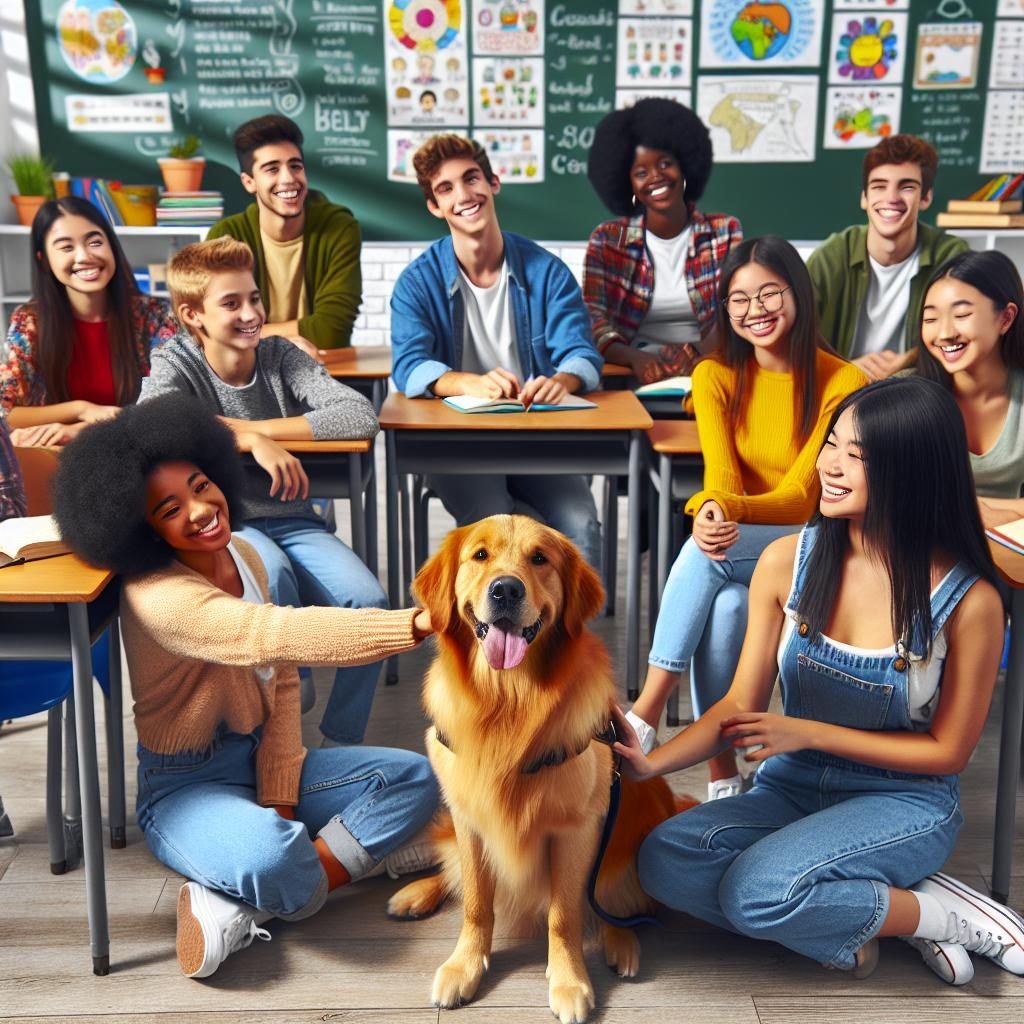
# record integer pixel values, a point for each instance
(506, 591)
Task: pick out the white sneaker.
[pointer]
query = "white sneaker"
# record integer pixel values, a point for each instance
(979, 923)
(646, 734)
(949, 960)
(419, 854)
(721, 788)
(212, 926)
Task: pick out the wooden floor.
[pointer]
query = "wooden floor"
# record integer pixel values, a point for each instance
(352, 964)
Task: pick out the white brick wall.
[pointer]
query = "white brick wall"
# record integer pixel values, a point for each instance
(383, 262)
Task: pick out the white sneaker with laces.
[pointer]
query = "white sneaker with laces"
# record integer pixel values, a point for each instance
(721, 788)
(949, 960)
(212, 926)
(646, 734)
(419, 854)
(977, 922)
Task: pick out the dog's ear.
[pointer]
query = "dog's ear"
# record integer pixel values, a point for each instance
(584, 592)
(434, 586)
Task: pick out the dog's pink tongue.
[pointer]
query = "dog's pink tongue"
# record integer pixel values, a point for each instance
(504, 650)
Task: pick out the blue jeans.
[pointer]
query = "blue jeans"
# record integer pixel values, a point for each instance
(703, 613)
(806, 857)
(199, 815)
(307, 565)
(562, 502)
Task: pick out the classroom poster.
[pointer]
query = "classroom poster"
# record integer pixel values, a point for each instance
(97, 39)
(752, 36)
(508, 92)
(859, 117)
(655, 8)
(760, 119)
(1006, 69)
(512, 27)
(947, 55)
(1010, 9)
(516, 155)
(627, 97)
(1002, 143)
(402, 144)
(867, 47)
(128, 112)
(654, 51)
(426, 63)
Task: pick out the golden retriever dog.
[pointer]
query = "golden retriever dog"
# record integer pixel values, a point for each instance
(516, 694)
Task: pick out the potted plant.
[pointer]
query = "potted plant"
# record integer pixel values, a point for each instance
(182, 170)
(33, 179)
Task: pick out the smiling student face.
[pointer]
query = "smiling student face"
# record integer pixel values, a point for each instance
(186, 509)
(463, 196)
(79, 255)
(841, 470)
(232, 311)
(961, 327)
(893, 200)
(278, 179)
(656, 179)
(761, 308)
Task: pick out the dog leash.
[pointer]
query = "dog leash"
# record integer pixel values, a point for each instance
(606, 835)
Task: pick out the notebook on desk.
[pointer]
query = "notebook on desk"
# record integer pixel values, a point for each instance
(1010, 535)
(474, 403)
(670, 387)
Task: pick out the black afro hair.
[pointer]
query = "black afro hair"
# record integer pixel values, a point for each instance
(99, 490)
(653, 123)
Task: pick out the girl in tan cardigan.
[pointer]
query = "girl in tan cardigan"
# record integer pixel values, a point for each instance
(228, 796)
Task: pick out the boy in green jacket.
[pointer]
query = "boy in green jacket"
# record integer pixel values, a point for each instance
(306, 248)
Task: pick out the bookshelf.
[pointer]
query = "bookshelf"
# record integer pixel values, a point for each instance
(142, 246)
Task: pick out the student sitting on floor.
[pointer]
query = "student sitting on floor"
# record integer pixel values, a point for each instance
(79, 348)
(485, 312)
(227, 795)
(883, 623)
(268, 390)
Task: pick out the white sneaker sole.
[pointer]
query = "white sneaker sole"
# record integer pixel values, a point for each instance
(194, 943)
(951, 962)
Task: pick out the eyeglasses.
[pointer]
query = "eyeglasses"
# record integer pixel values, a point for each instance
(769, 298)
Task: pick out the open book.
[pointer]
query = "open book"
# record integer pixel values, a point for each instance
(1010, 535)
(471, 403)
(670, 387)
(28, 538)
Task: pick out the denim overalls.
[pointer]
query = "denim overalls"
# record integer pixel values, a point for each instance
(806, 858)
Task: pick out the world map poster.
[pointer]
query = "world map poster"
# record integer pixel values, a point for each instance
(738, 34)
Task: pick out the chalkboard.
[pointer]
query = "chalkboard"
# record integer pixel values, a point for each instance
(117, 82)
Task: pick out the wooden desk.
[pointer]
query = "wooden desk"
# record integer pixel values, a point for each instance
(427, 436)
(52, 610)
(364, 367)
(1011, 568)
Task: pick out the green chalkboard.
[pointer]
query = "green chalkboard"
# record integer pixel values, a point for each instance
(117, 82)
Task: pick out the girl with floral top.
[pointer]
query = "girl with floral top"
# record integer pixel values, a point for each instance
(78, 350)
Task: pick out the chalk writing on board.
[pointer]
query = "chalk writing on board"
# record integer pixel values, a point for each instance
(947, 121)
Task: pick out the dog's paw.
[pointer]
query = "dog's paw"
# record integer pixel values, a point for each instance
(571, 1001)
(456, 980)
(622, 951)
(418, 899)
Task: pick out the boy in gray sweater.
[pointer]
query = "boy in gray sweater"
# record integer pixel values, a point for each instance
(268, 391)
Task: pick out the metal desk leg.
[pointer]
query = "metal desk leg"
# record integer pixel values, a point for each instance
(115, 745)
(95, 885)
(355, 504)
(665, 547)
(1009, 753)
(54, 791)
(633, 568)
(406, 503)
(391, 512)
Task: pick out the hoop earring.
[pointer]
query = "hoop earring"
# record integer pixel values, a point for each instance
(635, 203)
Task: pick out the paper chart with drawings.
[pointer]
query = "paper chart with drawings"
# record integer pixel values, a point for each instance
(737, 34)
(760, 119)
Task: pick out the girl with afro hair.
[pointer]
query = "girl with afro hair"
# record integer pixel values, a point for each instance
(227, 794)
(650, 278)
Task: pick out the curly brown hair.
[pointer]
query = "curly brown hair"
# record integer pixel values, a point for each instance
(448, 146)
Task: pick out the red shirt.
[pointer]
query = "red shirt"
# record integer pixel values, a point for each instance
(90, 375)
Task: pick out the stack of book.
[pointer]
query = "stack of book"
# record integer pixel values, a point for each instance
(997, 204)
(98, 192)
(189, 209)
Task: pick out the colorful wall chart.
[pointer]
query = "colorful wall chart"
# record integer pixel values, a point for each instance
(513, 27)
(740, 34)
(947, 55)
(859, 117)
(508, 91)
(516, 156)
(868, 48)
(654, 51)
(97, 39)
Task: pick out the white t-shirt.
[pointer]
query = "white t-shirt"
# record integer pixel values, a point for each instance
(883, 316)
(250, 593)
(489, 338)
(670, 318)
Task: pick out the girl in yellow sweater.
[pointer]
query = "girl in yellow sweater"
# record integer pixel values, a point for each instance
(762, 409)
(228, 796)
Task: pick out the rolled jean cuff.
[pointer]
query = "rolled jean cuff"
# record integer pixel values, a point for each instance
(347, 850)
(315, 902)
(669, 664)
(846, 958)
